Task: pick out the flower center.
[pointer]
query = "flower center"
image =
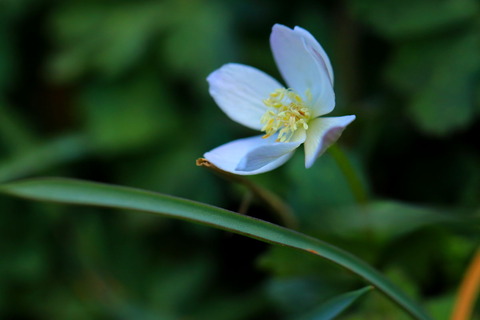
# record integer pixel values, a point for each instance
(286, 113)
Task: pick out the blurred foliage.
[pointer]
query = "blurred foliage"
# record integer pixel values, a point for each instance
(115, 91)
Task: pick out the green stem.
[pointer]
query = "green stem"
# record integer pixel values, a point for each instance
(351, 175)
(274, 202)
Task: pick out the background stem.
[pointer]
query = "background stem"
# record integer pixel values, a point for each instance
(353, 179)
(274, 202)
(468, 291)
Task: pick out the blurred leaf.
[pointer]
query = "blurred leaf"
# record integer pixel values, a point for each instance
(43, 156)
(419, 268)
(333, 307)
(393, 18)
(110, 41)
(468, 174)
(127, 115)
(199, 39)
(318, 188)
(94, 194)
(7, 57)
(27, 264)
(171, 172)
(16, 8)
(403, 280)
(114, 38)
(14, 130)
(285, 263)
(447, 103)
(293, 295)
(179, 285)
(385, 219)
(239, 307)
(376, 307)
(325, 176)
(440, 77)
(413, 62)
(441, 307)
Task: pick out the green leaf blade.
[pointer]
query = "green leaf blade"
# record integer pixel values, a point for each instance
(79, 192)
(333, 307)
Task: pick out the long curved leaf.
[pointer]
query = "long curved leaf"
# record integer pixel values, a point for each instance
(333, 307)
(96, 194)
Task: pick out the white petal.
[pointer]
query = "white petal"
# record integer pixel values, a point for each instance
(229, 156)
(322, 133)
(239, 90)
(317, 49)
(303, 67)
(268, 153)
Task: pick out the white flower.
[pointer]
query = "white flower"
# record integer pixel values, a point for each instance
(288, 116)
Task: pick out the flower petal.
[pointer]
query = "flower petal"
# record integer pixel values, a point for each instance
(229, 156)
(322, 133)
(239, 90)
(263, 155)
(302, 66)
(316, 49)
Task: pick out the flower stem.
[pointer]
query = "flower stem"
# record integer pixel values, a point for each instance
(356, 186)
(468, 291)
(274, 202)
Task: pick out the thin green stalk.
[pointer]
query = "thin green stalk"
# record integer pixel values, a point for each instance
(274, 202)
(351, 175)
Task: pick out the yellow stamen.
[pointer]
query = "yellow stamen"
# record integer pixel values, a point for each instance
(286, 113)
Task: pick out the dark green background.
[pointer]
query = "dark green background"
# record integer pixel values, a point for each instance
(115, 91)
